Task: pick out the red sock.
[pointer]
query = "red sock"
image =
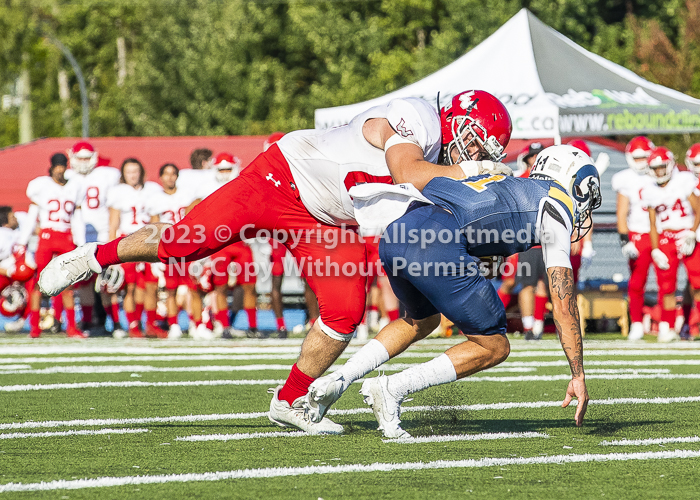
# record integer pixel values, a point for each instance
(312, 321)
(373, 308)
(668, 316)
(393, 314)
(131, 318)
(540, 303)
(87, 314)
(222, 317)
(70, 318)
(34, 321)
(252, 318)
(505, 298)
(151, 317)
(106, 254)
(58, 307)
(172, 320)
(115, 314)
(197, 322)
(280, 323)
(296, 386)
(139, 312)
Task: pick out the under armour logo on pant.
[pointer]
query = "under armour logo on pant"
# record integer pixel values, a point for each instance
(269, 178)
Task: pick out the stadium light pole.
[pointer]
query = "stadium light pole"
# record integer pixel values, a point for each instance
(81, 82)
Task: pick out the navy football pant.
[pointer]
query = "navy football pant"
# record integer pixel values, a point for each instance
(440, 277)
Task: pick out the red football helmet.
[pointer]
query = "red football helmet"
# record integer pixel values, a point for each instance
(580, 144)
(661, 164)
(227, 167)
(692, 158)
(13, 300)
(475, 116)
(83, 157)
(272, 139)
(637, 153)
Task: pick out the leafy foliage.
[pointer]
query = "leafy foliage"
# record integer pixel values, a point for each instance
(201, 67)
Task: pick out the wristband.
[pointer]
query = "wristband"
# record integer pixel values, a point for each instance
(624, 239)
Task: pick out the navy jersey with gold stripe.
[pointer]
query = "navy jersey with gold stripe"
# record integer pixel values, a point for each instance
(499, 214)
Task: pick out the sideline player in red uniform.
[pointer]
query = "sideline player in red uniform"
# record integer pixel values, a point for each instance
(300, 187)
(674, 216)
(56, 203)
(170, 206)
(633, 226)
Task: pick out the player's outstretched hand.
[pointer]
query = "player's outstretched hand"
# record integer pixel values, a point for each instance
(473, 168)
(577, 389)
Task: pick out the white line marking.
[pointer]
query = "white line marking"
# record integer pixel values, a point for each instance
(273, 382)
(353, 411)
(611, 362)
(647, 442)
(96, 385)
(92, 369)
(235, 437)
(86, 370)
(467, 437)
(102, 482)
(20, 435)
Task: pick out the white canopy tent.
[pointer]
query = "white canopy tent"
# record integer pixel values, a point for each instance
(552, 88)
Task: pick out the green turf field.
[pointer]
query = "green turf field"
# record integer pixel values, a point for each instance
(159, 419)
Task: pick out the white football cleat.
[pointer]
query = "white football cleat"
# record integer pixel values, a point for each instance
(297, 415)
(118, 333)
(14, 326)
(386, 407)
(69, 268)
(666, 334)
(323, 392)
(202, 333)
(636, 332)
(174, 332)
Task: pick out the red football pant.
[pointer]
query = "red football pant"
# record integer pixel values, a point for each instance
(51, 243)
(667, 278)
(639, 270)
(264, 197)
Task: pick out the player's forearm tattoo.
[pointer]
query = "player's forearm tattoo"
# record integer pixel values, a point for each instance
(568, 322)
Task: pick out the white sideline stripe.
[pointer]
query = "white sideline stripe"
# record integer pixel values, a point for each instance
(15, 367)
(273, 382)
(235, 437)
(354, 411)
(91, 369)
(96, 385)
(144, 369)
(616, 353)
(467, 437)
(102, 482)
(600, 362)
(646, 442)
(20, 435)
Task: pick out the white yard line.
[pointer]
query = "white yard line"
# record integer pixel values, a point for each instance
(236, 437)
(353, 411)
(274, 382)
(99, 432)
(647, 442)
(489, 436)
(102, 482)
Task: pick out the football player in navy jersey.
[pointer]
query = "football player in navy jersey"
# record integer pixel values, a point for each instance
(431, 257)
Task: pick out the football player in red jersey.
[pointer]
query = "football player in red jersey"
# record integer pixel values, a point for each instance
(15, 272)
(674, 216)
(633, 226)
(301, 184)
(56, 204)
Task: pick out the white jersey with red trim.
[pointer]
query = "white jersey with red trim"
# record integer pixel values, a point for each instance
(326, 163)
(630, 184)
(673, 210)
(96, 185)
(131, 202)
(170, 208)
(56, 202)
